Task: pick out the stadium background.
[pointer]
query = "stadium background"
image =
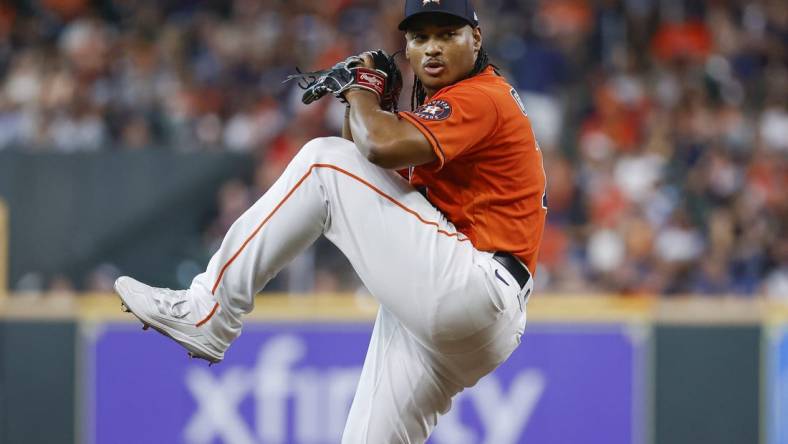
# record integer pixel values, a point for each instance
(132, 133)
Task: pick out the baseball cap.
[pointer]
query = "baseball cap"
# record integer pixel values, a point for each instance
(458, 8)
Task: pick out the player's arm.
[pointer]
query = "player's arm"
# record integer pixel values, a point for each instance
(385, 139)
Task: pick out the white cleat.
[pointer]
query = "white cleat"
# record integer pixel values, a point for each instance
(170, 312)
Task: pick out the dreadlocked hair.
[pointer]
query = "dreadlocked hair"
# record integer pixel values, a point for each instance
(419, 94)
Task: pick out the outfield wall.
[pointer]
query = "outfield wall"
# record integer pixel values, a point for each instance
(67, 214)
(590, 370)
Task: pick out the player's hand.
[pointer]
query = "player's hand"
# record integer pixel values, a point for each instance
(379, 60)
(367, 60)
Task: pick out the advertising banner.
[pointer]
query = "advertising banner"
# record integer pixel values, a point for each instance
(293, 383)
(778, 384)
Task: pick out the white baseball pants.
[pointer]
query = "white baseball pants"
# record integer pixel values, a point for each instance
(445, 319)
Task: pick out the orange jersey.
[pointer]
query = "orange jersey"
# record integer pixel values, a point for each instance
(489, 179)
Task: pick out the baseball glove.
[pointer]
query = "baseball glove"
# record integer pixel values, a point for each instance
(385, 80)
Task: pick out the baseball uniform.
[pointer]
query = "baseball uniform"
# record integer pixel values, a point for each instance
(448, 251)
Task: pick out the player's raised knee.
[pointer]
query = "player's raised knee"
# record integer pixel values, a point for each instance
(324, 149)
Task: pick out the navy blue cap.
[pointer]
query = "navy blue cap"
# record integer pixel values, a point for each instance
(458, 8)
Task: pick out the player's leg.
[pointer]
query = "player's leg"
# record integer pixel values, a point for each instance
(400, 394)
(405, 386)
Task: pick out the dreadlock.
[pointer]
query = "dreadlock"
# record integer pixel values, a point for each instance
(419, 94)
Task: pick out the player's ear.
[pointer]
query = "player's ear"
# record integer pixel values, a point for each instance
(477, 39)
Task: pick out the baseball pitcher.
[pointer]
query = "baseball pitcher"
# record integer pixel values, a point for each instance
(440, 210)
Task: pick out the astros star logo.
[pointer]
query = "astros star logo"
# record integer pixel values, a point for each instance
(427, 2)
(432, 110)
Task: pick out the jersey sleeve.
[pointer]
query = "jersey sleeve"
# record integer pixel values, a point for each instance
(454, 122)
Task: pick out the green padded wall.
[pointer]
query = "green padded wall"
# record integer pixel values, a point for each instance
(707, 384)
(37, 376)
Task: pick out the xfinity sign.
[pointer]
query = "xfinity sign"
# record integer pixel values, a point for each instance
(289, 383)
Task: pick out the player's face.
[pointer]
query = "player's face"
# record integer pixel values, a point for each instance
(442, 50)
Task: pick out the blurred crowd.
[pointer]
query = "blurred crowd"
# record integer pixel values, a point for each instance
(664, 123)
